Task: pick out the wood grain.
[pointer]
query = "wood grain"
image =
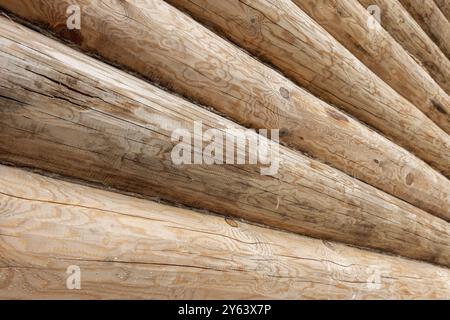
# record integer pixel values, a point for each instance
(444, 6)
(432, 21)
(221, 75)
(403, 28)
(281, 33)
(348, 22)
(128, 248)
(66, 113)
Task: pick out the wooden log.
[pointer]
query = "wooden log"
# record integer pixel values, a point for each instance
(238, 86)
(400, 25)
(129, 248)
(66, 113)
(444, 6)
(350, 24)
(432, 21)
(324, 66)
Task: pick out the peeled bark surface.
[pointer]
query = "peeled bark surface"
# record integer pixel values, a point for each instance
(349, 23)
(403, 28)
(284, 35)
(160, 42)
(128, 248)
(444, 6)
(432, 21)
(66, 113)
(239, 88)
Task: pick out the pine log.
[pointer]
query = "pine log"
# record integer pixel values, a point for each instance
(66, 113)
(129, 248)
(400, 25)
(432, 21)
(238, 86)
(288, 38)
(349, 23)
(444, 6)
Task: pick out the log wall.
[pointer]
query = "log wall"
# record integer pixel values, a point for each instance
(128, 248)
(348, 22)
(356, 204)
(444, 6)
(403, 28)
(277, 34)
(173, 55)
(226, 83)
(77, 117)
(431, 20)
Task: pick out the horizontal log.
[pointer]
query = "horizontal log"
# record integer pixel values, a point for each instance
(288, 38)
(130, 248)
(432, 21)
(444, 6)
(237, 85)
(349, 23)
(66, 113)
(400, 25)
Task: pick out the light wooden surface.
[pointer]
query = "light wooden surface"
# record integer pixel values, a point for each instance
(348, 22)
(223, 76)
(432, 21)
(66, 113)
(281, 33)
(400, 25)
(129, 248)
(444, 6)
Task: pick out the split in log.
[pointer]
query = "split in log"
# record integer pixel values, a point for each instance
(357, 30)
(400, 25)
(129, 248)
(257, 96)
(69, 114)
(444, 6)
(432, 21)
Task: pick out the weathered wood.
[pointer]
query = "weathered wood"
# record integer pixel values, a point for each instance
(349, 23)
(131, 248)
(432, 21)
(287, 37)
(238, 86)
(444, 6)
(400, 25)
(63, 112)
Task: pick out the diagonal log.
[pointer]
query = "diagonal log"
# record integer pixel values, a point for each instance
(352, 26)
(432, 21)
(444, 6)
(403, 28)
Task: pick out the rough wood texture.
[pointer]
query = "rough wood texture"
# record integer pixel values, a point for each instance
(283, 34)
(130, 248)
(347, 21)
(400, 25)
(307, 123)
(164, 44)
(444, 6)
(63, 112)
(432, 21)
